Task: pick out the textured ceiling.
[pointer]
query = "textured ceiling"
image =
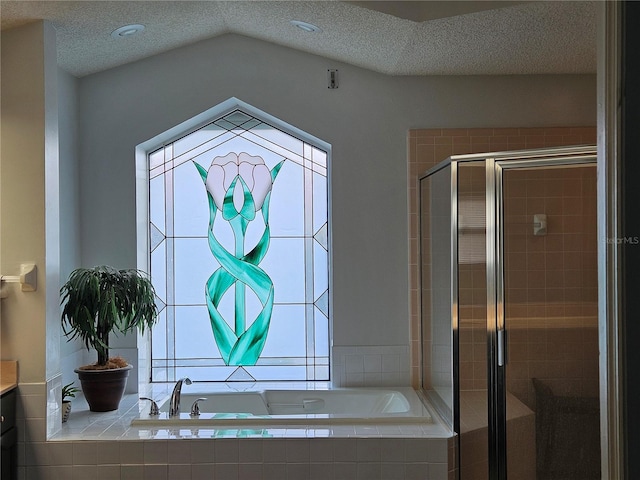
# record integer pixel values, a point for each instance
(397, 38)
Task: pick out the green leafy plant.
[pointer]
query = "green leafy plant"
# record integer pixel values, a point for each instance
(101, 300)
(69, 391)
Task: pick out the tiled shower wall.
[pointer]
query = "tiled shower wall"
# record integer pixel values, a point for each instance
(428, 147)
(472, 275)
(552, 282)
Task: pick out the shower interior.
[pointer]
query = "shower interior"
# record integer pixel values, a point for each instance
(509, 311)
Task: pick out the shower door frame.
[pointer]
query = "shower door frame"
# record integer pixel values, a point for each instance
(495, 164)
(496, 326)
(451, 415)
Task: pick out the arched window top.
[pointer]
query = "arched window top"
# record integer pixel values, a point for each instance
(226, 108)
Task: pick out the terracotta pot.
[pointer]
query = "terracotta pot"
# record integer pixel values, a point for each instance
(103, 389)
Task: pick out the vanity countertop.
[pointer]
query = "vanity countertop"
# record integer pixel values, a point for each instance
(8, 375)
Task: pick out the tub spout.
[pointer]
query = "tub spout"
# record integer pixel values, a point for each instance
(174, 406)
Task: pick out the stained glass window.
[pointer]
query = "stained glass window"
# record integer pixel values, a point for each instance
(239, 253)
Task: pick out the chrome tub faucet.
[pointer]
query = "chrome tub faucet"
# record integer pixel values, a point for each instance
(174, 406)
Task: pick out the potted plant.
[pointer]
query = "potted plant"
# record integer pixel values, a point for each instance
(68, 391)
(98, 301)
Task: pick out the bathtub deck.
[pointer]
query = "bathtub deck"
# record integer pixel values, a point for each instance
(116, 425)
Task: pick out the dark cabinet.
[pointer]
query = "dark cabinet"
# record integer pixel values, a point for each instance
(8, 436)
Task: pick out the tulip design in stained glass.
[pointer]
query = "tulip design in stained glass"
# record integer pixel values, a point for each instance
(238, 226)
(238, 189)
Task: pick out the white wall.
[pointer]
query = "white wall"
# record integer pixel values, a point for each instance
(73, 353)
(366, 121)
(69, 173)
(30, 220)
(29, 189)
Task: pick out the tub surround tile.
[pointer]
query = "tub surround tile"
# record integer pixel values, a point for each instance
(297, 450)
(132, 472)
(417, 471)
(274, 451)
(203, 471)
(85, 453)
(179, 471)
(297, 471)
(226, 451)
(371, 366)
(368, 450)
(372, 363)
(392, 470)
(155, 452)
(48, 473)
(35, 430)
(354, 364)
(271, 459)
(344, 450)
(54, 405)
(322, 471)
(390, 363)
(36, 453)
(248, 471)
(110, 472)
(179, 452)
(33, 401)
(131, 452)
(156, 472)
(345, 470)
(374, 378)
(61, 453)
(226, 470)
(250, 450)
(274, 471)
(107, 453)
(82, 472)
(321, 450)
(353, 379)
(202, 451)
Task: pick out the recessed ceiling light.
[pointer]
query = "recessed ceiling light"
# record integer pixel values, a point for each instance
(127, 31)
(307, 27)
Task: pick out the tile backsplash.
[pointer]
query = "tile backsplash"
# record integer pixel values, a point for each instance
(371, 366)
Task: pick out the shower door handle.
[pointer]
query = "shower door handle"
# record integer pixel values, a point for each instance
(501, 348)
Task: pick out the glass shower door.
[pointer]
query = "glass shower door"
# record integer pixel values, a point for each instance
(437, 248)
(472, 323)
(509, 297)
(548, 291)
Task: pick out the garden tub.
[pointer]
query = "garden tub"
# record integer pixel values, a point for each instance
(292, 407)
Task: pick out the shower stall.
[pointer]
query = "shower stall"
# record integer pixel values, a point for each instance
(509, 311)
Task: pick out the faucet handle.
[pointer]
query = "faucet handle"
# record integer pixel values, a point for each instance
(154, 406)
(195, 408)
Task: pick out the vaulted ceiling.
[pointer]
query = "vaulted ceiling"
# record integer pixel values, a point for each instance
(392, 37)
